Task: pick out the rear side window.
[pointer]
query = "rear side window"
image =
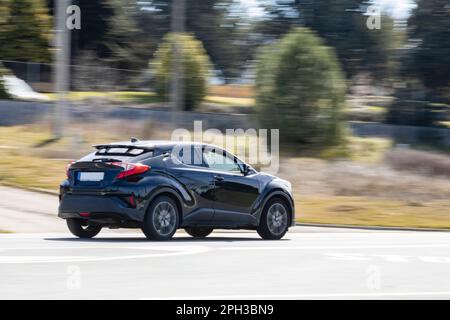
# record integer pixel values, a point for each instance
(190, 155)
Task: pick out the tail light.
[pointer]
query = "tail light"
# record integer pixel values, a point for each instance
(68, 167)
(130, 169)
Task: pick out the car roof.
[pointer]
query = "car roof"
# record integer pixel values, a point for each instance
(158, 144)
(149, 144)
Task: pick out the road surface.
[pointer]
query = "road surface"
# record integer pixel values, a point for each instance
(310, 263)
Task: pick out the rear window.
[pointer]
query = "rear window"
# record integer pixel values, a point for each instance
(113, 153)
(123, 151)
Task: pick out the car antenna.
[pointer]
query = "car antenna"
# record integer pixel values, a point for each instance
(134, 140)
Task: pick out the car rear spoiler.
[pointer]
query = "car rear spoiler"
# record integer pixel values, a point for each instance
(121, 146)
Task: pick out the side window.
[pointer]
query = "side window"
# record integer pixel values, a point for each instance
(191, 155)
(218, 160)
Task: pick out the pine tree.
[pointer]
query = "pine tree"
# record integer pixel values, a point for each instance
(196, 67)
(94, 26)
(210, 22)
(300, 89)
(126, 46)
(25, 31)
(430, 24)
(342, 24)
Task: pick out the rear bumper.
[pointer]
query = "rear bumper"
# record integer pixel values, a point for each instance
(102, 209)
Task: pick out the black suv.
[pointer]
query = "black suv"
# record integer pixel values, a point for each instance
(160, 186)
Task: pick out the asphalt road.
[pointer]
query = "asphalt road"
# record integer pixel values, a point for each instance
(309, 263)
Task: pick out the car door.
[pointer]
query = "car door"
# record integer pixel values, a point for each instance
(197, 179)
(234, 192)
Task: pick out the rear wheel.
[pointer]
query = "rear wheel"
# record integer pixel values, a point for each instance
(82, 229)
(274, 220)
(161, 220)
(199, 232)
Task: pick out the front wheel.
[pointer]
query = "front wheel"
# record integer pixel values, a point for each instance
(198, 232)
(161, 220)
(82, 229)
(274, 220)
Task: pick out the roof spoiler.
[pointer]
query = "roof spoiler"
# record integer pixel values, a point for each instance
(109, 146)
(128, 152)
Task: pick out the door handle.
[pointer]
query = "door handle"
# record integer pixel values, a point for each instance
(218, 178)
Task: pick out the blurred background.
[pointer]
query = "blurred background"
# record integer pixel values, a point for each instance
(360, 91)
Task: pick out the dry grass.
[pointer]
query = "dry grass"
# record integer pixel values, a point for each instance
(367, 194)
(418, 161)
(137, 97)
(312, 177)
(30, 158)
(373, 212)
(361, 190)
(235, 91)
(31, 172)
(231, 101)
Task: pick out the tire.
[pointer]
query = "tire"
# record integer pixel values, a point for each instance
(81, 229)
(161, 220)
(199, 232)
(274, 222)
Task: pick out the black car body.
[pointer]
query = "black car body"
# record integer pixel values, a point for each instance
(118, 184)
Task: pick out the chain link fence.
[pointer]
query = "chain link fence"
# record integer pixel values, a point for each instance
(84, 76)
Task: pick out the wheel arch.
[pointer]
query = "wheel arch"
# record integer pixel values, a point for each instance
(172, 194)
(283, 196)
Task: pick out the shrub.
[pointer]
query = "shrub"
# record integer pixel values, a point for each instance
(300, 89)
(196, 66)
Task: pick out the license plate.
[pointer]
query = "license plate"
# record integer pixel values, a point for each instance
(91, 176)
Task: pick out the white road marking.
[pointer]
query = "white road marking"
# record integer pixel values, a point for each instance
(307, 296)
(351, 256)
(38, 259)
(338, 247)
(175, 251)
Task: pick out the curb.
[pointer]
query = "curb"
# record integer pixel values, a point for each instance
(38, 190)
(348, 226)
